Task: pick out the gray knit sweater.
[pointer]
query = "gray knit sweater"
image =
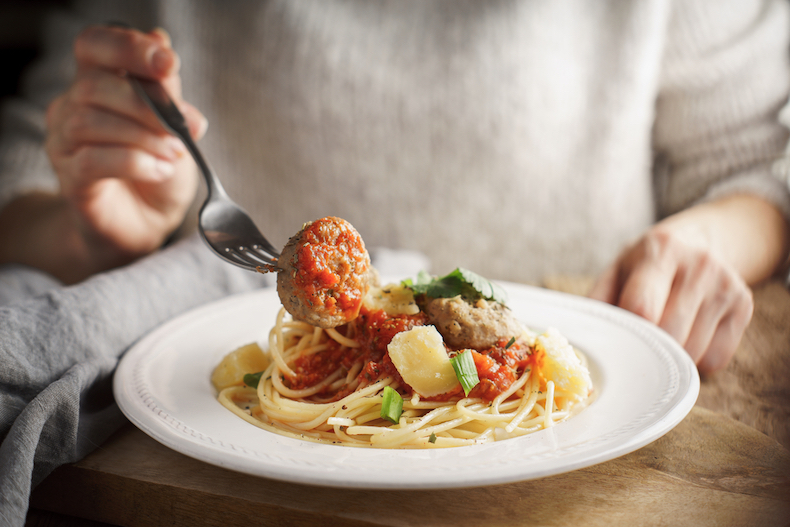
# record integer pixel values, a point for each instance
(514, 138)
(517, 138)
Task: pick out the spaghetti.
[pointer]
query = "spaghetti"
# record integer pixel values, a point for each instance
(329, 385)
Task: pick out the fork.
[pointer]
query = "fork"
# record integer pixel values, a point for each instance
(225, 227)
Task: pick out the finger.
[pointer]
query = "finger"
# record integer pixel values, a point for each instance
(646, 289)
(732, 302)
(115, 94)
(112, 93)
(726, 338)
(121, 49)
(606, 287)
(691, 285)
(162, 36)
(93, 163)
(97, 127)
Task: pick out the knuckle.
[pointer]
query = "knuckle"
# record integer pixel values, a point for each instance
(84, 89)
(660, 241)
(705, 272)
(76, 125)
(661, 246)
(85, 162)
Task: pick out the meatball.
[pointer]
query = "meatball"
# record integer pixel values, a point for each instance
(477, 326)
(325, 273)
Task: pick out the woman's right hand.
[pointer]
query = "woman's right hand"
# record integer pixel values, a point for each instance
(126, 180)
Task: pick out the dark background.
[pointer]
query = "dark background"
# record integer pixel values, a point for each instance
(20, 38)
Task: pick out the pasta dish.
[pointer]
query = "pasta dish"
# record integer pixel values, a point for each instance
(430, 363)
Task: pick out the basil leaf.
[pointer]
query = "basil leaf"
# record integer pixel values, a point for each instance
(460, 281)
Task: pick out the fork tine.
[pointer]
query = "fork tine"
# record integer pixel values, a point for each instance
(246, 257)
(256, 256)
(233, 256)
(266, 249)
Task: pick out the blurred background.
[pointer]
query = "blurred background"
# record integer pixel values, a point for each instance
(20, 37)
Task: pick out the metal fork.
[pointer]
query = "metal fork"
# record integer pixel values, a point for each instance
(223, 224)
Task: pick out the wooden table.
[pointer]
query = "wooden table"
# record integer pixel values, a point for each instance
(726, 464)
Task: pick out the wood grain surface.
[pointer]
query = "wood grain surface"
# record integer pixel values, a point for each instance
(724, 465)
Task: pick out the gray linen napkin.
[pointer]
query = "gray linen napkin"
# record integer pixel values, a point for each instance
(59, 347)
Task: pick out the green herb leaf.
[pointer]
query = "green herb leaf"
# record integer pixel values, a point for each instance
(510, 342)
(391, 405)
(252, 379)
(432, 439)
(462, 282)
(465, 370)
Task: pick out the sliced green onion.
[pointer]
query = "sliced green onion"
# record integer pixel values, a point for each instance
(392, 405)
(252, 379)
(465, 370)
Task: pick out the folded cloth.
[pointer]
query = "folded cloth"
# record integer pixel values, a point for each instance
(59, 347)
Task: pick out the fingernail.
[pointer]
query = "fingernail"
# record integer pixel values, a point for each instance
(176, 146)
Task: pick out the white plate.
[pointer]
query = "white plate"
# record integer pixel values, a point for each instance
(645, 385)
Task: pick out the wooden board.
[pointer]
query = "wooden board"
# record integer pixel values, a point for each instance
(710, 470)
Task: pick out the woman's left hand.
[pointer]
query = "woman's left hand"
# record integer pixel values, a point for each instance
(699, 299)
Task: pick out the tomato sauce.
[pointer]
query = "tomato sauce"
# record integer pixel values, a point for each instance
(497, 367)
(374, 331)
(332, 267)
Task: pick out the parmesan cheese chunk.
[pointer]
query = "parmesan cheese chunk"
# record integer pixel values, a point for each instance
(394, 299)
(421, 359)
(236, 364)
(562, 365)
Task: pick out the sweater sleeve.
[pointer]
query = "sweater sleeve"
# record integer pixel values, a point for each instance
(725, 76)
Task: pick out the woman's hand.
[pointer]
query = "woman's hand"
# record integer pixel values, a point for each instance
(698, 299)
(689, 274)
(126, 180)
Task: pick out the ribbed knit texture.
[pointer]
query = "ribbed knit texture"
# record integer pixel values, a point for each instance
(514, 138)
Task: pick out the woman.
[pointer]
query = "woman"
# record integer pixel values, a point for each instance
(633, 141)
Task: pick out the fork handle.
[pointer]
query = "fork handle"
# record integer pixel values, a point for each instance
(157, 98)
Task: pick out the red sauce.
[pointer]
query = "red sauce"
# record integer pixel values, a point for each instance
(497, 367)
(332, 267)
(374, 332)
